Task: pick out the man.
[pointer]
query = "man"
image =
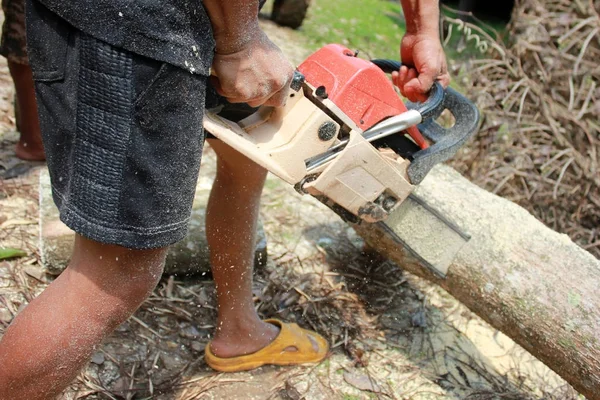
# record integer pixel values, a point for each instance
(122, 89)
(14, 48)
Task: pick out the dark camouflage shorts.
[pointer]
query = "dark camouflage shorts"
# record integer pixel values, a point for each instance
(14, 44)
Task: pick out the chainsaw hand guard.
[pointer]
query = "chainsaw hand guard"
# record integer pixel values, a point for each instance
(446, 141)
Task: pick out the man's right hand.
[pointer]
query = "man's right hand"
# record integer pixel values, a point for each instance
(257, 73)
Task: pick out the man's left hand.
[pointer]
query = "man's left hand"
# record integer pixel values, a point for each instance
(424, 62)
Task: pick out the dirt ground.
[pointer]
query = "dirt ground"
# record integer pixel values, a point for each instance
(392, 334)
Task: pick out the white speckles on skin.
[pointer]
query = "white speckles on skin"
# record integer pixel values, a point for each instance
(488, 288)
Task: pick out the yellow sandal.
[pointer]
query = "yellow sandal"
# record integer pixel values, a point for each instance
(292, 346)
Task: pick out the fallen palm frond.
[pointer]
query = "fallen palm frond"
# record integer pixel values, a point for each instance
(539, 144)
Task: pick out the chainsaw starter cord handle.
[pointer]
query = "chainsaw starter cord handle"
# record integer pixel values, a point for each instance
(429, 108)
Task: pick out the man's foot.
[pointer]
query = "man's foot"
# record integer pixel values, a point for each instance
(30, 151)
(243, 341)
(292, 346)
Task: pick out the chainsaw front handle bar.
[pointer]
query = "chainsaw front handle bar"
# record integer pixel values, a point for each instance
(445, 141)
(435, 96)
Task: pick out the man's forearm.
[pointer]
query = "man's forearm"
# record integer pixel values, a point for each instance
(422, 16)
(233, 22)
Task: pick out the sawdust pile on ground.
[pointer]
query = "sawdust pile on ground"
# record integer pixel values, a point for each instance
(537, 88)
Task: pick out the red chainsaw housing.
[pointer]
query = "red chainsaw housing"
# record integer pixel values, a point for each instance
(358, 87)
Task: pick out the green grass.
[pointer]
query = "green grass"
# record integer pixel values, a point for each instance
(374, 27)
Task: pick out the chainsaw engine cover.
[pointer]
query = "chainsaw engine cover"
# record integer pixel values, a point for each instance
(360, 89)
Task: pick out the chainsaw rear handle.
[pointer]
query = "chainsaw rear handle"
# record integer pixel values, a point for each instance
(445, 141)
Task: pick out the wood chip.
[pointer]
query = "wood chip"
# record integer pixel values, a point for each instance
(362, 382)
(35, 272)
(98, 358)
(15, 222)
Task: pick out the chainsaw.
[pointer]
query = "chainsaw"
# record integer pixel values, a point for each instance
(346, 137)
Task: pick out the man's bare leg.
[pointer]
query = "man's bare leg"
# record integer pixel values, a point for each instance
(231, 224)
(30, 145)
(52, 338)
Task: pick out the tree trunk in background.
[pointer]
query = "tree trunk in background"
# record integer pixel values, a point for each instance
(531, 283)
(290, 13)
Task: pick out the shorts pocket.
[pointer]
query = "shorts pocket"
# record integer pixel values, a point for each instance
(172, 102)
(165, 150)
(146, 74)
(47, 42)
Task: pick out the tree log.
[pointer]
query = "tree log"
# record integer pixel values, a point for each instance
(523, 278)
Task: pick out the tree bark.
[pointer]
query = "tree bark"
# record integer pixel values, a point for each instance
(531, 283)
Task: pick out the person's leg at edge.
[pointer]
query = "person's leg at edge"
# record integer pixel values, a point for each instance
(231, 224)
(48, 343)
(30, 145)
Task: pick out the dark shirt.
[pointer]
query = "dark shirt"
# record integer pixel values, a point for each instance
(177, 32)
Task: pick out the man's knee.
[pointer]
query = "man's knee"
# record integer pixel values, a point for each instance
(126, 274)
